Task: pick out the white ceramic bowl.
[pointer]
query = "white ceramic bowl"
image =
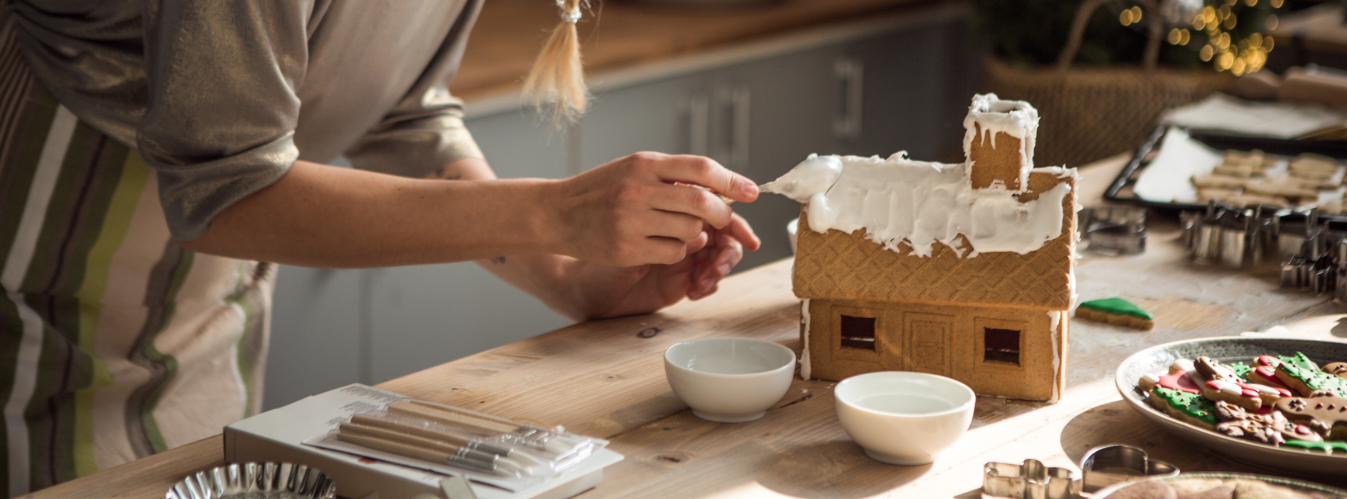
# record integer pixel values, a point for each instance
(729, 380)
(904, 417)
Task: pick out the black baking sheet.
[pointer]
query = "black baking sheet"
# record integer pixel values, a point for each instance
(1121, 190)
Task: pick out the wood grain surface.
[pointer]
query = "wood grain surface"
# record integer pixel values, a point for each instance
(605, 379)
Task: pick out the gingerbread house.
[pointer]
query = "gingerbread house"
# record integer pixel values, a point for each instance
(962, 270)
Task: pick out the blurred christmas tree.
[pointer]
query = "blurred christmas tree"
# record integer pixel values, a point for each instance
(1222, 34)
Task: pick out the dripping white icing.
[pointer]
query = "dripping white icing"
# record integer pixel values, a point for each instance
(898, 199)
(1055, 318)
(1012, 117)
(805, 369)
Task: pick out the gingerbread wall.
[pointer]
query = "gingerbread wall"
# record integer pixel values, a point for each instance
(949, 340)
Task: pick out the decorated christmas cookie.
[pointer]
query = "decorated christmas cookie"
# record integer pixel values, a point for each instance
(1338, 369)
(1325, 414)
(1304, 381)
(1270, 428)
(1220, 383)
(1177, 379)
(1337, 447)
(1264, 372)
(1188, 407)
(1116, 311)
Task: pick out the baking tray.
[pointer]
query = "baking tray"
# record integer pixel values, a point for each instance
(1120, 190)
(1156, 360)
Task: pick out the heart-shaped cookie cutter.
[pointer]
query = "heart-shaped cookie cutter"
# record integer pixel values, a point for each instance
(1032, 480)
(1109, 464)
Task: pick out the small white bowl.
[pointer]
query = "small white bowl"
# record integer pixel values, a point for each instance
(904, 417)
(729, 380)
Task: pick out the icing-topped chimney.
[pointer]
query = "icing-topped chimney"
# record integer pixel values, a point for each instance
(999, 142)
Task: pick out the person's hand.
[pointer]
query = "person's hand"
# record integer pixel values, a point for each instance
(644, 209)
(620, 291)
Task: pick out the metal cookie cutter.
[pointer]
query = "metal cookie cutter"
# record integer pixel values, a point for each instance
(1032, 480)
(1109, 464)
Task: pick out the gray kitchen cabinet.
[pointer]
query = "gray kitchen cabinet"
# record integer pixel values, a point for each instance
(876, 88)
(426, 315)
(315, 334)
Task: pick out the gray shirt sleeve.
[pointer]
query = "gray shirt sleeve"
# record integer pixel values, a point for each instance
(425, 130)
(221, 105)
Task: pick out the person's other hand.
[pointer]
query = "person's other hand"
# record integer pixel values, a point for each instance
(620, 291)
(633, 211)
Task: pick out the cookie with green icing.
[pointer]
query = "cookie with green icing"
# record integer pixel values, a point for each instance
(1116, 311)
(1303, 379)
(1331, 447)
(1187, 407)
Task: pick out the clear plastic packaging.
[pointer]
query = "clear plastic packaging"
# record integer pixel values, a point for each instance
(480, 445)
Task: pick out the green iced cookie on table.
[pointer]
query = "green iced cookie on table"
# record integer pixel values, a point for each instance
(1116, 311)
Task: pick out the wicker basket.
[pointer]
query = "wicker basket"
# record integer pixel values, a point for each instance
(1090, 114)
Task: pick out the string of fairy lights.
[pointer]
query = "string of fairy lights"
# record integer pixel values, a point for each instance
(1215, 23)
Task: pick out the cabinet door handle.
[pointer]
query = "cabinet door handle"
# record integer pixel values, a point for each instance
(850, 72)
(699, 125)
(739, 120)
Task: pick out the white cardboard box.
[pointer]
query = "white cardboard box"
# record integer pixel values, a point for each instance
(277, 435)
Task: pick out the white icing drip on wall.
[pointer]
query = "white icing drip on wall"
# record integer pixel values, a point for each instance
(1012, 117)
(1055, 318)
(898, 199)
(805, 369)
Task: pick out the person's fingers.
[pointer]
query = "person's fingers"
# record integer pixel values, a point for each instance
(693, 201)
(726, 253)
(739, 229)
(695, 247)
(658, 250)
(682, 227)
(704, 171)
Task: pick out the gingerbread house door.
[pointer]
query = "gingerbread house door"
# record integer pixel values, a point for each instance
(929, 338)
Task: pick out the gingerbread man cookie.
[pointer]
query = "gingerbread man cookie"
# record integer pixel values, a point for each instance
(1325, 414)
(1338, 369)
(1271, 428)
(1220, 383)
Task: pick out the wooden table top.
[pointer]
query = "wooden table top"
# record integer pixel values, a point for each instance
(605, 379)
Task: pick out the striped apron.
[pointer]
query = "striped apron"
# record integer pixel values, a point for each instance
(115, 343)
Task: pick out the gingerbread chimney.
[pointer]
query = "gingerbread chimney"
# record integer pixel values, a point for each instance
(999, 142)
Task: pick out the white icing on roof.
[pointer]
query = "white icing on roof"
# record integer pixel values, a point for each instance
(898, 199)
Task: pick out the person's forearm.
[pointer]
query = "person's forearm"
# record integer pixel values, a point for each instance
(335, 217)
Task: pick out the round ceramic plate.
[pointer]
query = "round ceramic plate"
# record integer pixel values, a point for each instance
(1156, 360)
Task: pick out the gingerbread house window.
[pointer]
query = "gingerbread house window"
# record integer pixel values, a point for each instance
(1002, 345)
(858, 332)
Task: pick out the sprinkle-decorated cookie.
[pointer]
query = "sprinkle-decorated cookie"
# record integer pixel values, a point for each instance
(1338, 369)
(1305, 381)
(1264, 372)
(1325, 414)
(1177, 379)
(1116, 311)
(1188, 407)
(1269, 428)
(1331, 447)
(1220, 383)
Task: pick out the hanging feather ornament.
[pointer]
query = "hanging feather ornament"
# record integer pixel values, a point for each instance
(557, 77)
